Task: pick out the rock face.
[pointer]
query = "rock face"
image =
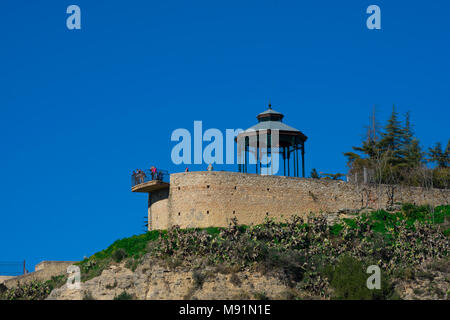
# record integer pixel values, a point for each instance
(428, 283)
(152, 281)
(155, 282)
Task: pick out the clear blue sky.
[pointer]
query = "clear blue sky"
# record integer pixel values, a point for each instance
(79, 110)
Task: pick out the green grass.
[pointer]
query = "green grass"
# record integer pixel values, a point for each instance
(134, 247)
(447, 232)
(381, 221)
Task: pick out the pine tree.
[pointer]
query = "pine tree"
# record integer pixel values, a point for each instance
(441, 158)
(407, 132)
(315, 174)
(447, 151)
(410, 151)
(391, 138)
(414, 154)
(370, 145)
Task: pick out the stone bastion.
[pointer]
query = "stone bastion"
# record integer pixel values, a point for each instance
(204, 199)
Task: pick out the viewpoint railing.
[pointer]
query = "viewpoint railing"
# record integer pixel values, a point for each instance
(142, 176)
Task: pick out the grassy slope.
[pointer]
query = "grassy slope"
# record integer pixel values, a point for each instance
(380, 221)
(133, 248)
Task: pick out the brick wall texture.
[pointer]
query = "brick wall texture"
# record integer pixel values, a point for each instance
(203, 199)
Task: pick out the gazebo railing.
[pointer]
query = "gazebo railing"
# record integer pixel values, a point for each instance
(147, 175)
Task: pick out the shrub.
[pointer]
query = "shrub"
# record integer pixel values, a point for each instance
(119, 254)
(87, 295)
(124, 296)
(260, 296)
(35, 290)
(234, 279)
(199, 278)
(289, 263)
(348, 278)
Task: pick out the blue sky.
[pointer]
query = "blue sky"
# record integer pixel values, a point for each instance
(79, 110)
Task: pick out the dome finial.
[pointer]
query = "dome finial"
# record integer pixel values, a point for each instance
(270, 105)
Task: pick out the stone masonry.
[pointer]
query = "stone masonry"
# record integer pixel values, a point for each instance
(204, 199)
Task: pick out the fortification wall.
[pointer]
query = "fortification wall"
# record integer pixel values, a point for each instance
(203, 199)
(158, 212)
(4, 278)
(43, 271)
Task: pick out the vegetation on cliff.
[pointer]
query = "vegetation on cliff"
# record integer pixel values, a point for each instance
(34, 290)
(308, 255)
(312, 258)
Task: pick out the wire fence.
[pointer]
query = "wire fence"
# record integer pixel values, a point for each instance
(12, 268)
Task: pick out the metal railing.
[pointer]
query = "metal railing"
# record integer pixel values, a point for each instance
(142, 176)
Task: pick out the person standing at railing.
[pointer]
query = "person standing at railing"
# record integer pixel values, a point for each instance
(133, 176)
(153, 172)
(140, 175)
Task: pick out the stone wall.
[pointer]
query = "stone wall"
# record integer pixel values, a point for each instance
(43, 271)
(158, 208)
(4, 278)
(203, 199)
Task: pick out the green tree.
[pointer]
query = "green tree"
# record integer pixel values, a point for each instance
(315, 174)
(414, 155)
(333, 176)
(439, 156)
(392, 138)
(410, 151)
(370, 146)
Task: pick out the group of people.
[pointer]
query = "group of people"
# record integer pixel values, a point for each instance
(139, 175)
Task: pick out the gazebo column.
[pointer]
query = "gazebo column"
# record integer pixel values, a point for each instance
(245, 155)
(284, 160)
(303, 159)
(269, 152)
(294, 150)
(296, 157)
(257, 153)
(293, 153)
(248, 156)
(288, 157)
(295, 160)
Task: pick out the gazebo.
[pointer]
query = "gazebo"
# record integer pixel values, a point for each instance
(258, 140)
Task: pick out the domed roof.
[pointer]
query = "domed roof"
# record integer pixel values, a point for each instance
(272, 120)
(270, 114)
